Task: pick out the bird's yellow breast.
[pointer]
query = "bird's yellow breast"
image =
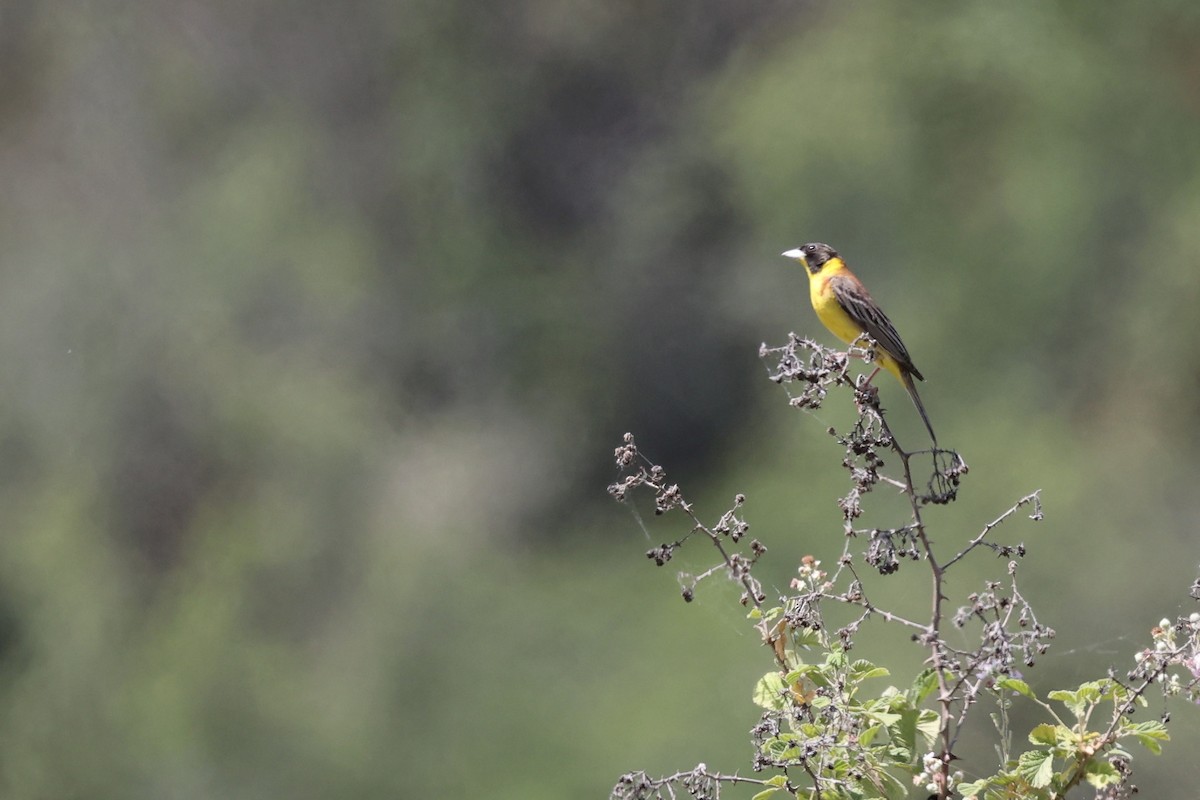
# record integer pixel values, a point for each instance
(825, 303)
(834, 317)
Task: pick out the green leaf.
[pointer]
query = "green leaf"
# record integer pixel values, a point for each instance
(770, 692)
(1100, 773)
(1087, 695)
(1072, 700)
(1119, 752)
(862, 669)
(1016, 685)
(1149, 735)
(782, 747)
(972, 789)
(884, 717)
(905, 734)
(929, 725)
(868, 735)
(893, 787)
(876, 672)
(923, 686)
(773, 785)
(807, 638)
(1044, 734)
(809, 730)
(1037, 767)
(802, 671)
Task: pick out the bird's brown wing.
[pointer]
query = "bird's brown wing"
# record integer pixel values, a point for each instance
(852, 297)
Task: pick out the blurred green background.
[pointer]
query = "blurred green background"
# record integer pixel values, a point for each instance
(320, 322)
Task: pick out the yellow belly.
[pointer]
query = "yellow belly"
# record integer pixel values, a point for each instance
(843, 326)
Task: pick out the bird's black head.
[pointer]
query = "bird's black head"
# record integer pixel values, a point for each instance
(813, 255)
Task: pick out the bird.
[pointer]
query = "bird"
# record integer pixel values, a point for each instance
(847, 309)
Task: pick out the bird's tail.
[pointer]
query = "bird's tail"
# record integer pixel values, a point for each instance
(916, 398)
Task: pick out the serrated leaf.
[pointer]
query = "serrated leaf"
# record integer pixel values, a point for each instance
(972, 789)
(923, 686)
(1075, 701)
(773, 785)
(892, 695)
(806, 638)
(868, 735)
(929, 725)
(1149, 735)
(769, 692)
(1037, 767)
(1016, 685)
(884, 717)
(801, 671)
(781, 749)
(862, 669)
(816, 674)
(1100, 773)
(809, 730)
(893, 787)
(1150, 727)
(1044, 734)
(905, 733)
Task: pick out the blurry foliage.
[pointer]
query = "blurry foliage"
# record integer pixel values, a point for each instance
(317, 320)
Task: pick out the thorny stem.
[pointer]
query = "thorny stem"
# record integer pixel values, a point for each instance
(934, 636)
(832, 370)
